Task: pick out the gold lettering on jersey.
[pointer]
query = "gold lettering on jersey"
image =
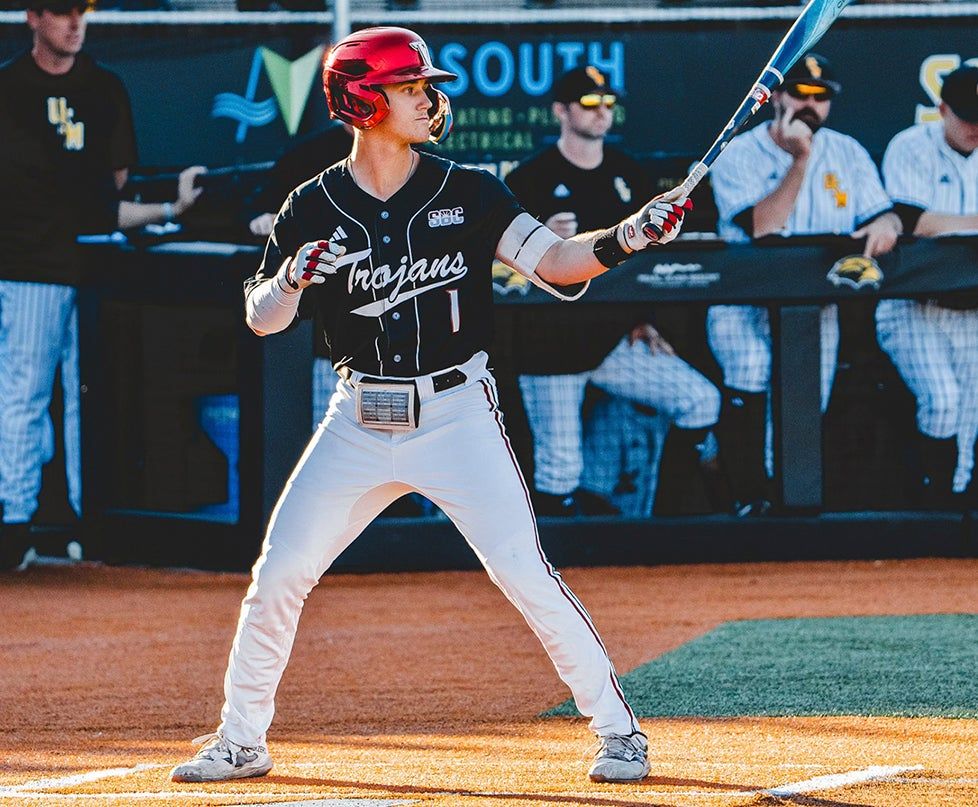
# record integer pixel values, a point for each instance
(831, 183)
(423, 275)
(61, 116)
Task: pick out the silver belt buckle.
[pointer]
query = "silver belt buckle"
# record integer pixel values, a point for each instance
(391, 407)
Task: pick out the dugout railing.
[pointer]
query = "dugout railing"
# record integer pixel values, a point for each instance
(191, 423)
(186, 69)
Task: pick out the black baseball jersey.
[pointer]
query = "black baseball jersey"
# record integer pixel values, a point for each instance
(63, 136)
(413, 292)
(571, 340)
(305, 158)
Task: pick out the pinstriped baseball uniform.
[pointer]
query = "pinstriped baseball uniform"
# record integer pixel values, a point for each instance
(566, 353)
(934, 346)
(841, 190)
(410, 302)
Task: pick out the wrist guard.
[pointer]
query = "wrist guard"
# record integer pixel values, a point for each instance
(608, 250)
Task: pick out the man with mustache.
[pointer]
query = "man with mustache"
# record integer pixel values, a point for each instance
(791, 176)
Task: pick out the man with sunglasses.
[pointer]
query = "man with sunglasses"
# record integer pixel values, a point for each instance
(790, 176)
(579, 184)
(67, 135)
(931, 172)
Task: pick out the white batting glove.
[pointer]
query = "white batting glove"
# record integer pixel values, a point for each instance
(659, 222)
(311, 264)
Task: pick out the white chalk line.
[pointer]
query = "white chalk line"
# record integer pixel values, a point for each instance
(75, 779)
(283, 799)
(837, 781)
(311, 797)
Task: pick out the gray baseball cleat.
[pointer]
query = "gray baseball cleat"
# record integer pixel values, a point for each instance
(220, 760)
(621, 758)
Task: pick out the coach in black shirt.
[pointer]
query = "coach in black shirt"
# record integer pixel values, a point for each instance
(67, 137)
(577, 185)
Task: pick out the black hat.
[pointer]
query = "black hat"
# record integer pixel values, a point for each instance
(580, 81)
(60, 6)
(813, 69)
(960, 92)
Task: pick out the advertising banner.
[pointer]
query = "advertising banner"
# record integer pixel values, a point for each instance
(234, 94)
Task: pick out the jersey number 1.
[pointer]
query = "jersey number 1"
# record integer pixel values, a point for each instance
(453, 302)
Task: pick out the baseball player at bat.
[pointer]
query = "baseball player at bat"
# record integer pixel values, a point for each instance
(393, 247)
(790, 176)
(931, 172)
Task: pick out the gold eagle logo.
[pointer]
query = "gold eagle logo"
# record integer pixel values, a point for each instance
(856, 271)
(507, 281)
(595, 75)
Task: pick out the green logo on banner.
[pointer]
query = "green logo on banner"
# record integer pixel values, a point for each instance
(291, 82)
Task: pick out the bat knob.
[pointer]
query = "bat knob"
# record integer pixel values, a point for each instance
(651, 232)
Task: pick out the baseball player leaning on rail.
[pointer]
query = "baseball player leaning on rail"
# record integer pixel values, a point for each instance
(791, 176)
(581, 183)
(405, 292)
(931, 173)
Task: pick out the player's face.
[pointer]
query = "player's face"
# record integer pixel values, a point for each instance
(959, 134)
(811, 110)
(60, 35)
(408, 119)
(591, 122)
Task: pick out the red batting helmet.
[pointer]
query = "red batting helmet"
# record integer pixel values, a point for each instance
(360, 64)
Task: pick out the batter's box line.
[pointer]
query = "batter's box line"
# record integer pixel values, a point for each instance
(76, 779)
(278, 799)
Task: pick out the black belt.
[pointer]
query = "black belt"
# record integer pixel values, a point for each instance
(440, 381)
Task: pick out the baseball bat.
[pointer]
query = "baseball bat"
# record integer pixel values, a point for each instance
(810, 26)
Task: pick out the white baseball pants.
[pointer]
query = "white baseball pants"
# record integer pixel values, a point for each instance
(740, 338)
(38, 333)
(460, 458)
(935, 350)
(632, 372)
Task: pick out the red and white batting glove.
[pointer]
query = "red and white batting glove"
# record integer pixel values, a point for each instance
(310, 266)
(659, 222)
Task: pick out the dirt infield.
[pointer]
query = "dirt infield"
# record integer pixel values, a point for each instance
(426, 688)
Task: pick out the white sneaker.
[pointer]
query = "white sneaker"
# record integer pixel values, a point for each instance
(621, 758)
(220, 759)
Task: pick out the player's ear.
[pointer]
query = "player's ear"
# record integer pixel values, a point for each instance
(559, 110)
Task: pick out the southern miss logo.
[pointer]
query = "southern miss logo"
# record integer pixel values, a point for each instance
(831, 183)
(62, 118)
(507, 281)
(856, 272)
(424, 275)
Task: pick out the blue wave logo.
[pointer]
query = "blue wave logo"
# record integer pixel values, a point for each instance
(253, 113)
(245, 109)
(291, 81)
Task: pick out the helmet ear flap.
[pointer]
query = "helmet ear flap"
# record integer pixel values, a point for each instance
(440, 118)
(360, 105)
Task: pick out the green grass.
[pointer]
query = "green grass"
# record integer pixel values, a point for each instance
(913, 666)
